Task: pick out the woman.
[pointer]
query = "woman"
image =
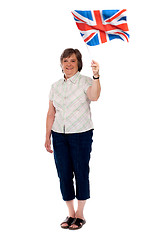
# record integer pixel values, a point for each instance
(69, 122)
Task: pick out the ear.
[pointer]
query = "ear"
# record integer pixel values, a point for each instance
(61, 67)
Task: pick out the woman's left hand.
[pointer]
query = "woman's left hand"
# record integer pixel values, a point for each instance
(95, 68)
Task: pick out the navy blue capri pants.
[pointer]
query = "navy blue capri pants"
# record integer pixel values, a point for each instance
(72, 155)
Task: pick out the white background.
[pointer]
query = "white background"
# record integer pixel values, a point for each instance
(33, 34)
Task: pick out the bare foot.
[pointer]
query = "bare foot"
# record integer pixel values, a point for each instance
(77, 215)
(66, 225)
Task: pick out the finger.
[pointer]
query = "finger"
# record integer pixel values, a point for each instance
(48, 147)
(50, 151)
(95, 66)
(94, 62)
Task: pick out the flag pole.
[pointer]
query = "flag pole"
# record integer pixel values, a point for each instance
(90, 54)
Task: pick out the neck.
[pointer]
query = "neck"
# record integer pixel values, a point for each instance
(68, 76)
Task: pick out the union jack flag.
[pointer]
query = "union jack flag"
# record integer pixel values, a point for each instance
(100, 26)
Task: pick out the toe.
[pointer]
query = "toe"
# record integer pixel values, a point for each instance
(73, 226)
(64, 225)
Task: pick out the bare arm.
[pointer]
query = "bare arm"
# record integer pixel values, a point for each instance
(49, 123)
(93, 91)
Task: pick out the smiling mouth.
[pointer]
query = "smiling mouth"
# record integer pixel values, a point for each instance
(69, 68)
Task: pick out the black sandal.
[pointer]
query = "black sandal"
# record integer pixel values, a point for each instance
(69, 221)
(79, 223)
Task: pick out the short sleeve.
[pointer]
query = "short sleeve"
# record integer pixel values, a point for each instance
(51, 94)
(88, 83)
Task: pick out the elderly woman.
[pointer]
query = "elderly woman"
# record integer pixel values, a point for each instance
(70, 124)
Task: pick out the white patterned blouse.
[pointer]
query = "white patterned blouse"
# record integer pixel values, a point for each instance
(72, 105)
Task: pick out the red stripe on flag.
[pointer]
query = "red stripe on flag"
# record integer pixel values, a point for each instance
(83, 26)
(123, 27)
(116, 15)
(88, 38)
(124, 36)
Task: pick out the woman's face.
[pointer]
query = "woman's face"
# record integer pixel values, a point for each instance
(70, 66)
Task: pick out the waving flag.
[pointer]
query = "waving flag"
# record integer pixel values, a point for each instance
(99, 26)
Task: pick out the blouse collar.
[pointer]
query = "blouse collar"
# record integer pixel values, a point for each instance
(74, 78)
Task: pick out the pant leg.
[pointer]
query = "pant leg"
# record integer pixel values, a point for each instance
(80, 148)
(64, 165)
